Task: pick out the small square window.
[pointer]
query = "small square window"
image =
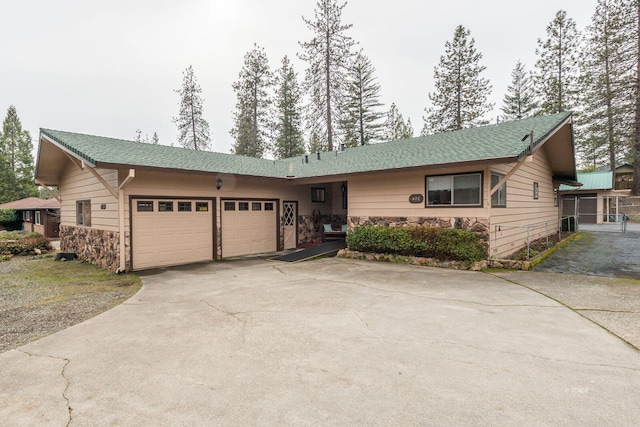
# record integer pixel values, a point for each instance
(268, 206)
(317, 195)
(202, 206)
(536, 191)
(229, 206)
(243, 206)
(256, 206)
(184, 206)
(165, 206)
(145, 206)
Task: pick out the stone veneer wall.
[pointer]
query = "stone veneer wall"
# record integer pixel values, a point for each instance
(479, 226)
(99, 247)
(306, 233)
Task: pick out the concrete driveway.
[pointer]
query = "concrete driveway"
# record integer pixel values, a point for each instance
(328, 342)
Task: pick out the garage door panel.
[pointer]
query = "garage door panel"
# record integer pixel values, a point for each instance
(248, 232)
(162, 238)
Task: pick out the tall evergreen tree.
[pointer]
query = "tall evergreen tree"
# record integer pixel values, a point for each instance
(154, 139)
(519, 101)
(251, 118)
(15, 148)
(608, 98)
(193, 129)
(362, 117)
(460, 99)
(556, 72)
(328, 53)
(287, 117)
(395, 127)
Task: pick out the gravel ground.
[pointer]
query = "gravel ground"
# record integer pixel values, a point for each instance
(39, 296)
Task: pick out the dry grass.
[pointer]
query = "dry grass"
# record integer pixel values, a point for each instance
(40, 296)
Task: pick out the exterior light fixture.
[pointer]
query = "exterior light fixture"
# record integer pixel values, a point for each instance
(219, 183)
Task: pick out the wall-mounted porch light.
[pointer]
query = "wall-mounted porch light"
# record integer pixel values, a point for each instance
(219, 183)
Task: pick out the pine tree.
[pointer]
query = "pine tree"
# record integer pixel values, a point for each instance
(460, 98)
(328, 53)
(193, 129)
(154, 139)
(361, 121)
(139, 138)
(16, 147)
(287, 116)
(608, 98)
(251, 118)
(395, 127)
(519, 101)
(556, 71)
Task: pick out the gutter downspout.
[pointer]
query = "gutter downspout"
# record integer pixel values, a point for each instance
(121, 223)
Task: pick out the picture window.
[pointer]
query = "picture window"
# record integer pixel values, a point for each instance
(317, 195)
(454, 190)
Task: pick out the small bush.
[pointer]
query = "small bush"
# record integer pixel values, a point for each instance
(445, 244)
(25, 245)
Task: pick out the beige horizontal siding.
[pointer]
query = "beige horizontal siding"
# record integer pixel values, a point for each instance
(387, 194)
(78, 184)
(509, 225)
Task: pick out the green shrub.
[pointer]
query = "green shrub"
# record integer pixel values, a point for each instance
(445, 244)
(26, 245)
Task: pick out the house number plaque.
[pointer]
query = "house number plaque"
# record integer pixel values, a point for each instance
(416, 198)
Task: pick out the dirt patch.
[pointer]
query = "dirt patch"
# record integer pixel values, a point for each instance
(40, 296)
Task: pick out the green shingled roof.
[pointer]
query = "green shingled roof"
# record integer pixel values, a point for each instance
(592, 181)
(506, 141)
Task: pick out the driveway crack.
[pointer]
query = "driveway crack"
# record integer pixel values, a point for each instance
(604, 365)
(64, 376)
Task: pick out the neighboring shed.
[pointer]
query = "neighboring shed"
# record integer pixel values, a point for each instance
(129, 205)
(596, 201)
(38, 215)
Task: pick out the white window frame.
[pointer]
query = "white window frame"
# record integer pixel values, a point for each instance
(500, 195)
(83, 213)
(37, 218)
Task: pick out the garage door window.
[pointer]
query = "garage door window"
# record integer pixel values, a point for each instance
(268, 206)
(229, 206)
(145, 206)
(243, 206)
(165, 206)
(256, 206)
(184, 206)
(202, 206)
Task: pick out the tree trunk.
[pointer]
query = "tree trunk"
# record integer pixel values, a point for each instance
(635, 190)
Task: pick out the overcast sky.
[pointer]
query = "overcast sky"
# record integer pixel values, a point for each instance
(111, 67)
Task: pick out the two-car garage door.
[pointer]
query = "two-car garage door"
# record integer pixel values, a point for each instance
(177, 231)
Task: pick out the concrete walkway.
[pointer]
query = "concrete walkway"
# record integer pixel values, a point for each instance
(328, 342)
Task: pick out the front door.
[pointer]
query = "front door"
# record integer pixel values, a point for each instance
(290, 224)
